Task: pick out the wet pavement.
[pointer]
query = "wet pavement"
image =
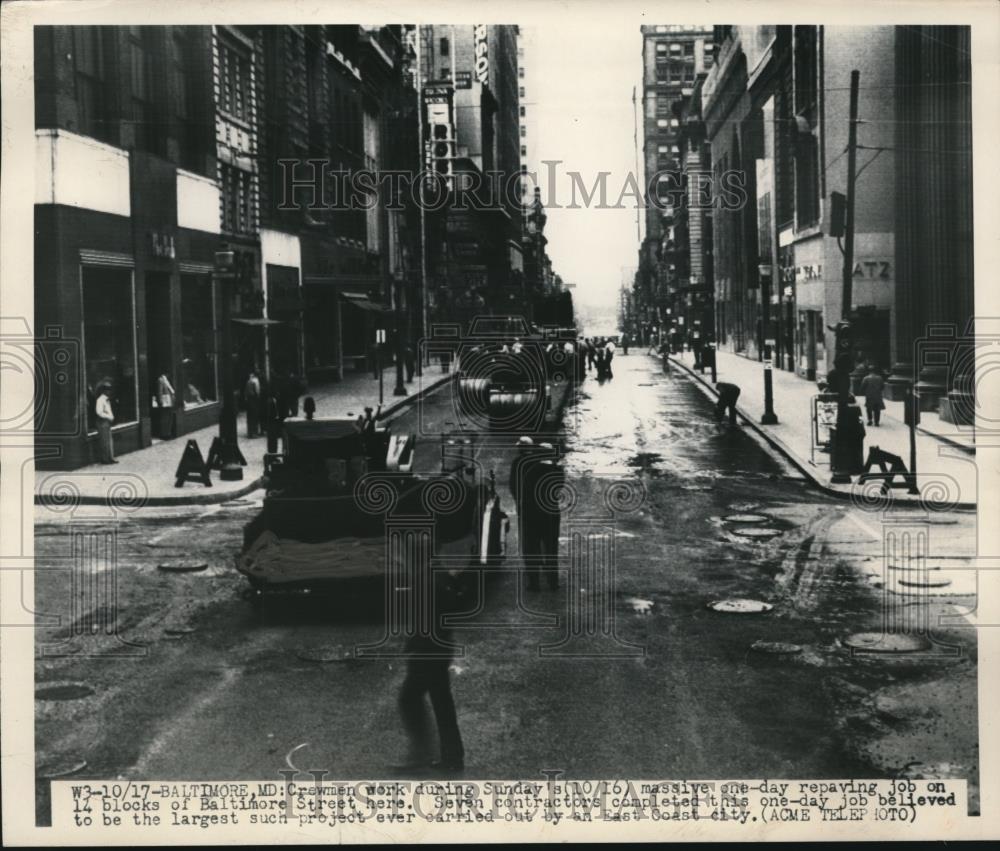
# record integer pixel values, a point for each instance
(682, 512)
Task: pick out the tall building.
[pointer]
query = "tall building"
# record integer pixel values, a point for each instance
(776, 113)
(673, 58)
(173, 248)
(475, 256)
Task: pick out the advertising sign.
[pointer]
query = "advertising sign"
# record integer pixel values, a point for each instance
(482, 53)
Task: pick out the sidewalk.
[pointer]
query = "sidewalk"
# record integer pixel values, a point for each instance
(146, 477)
(946, 470)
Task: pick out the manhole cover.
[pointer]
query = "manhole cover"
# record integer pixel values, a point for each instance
(929, 582)
(757, 532)
(184, 566)
(63, 691)
(878, 642)
(746, 518)
(335, 653)
(776, 648)
(60, 768)
(740, 606)
(175, 631)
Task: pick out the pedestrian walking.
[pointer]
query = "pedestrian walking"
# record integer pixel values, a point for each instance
(625, 342)
(872, 386)
(410, 361)
(105, 418)
(251, 400)
(591, 354)
(294, 388)
(599, 360)
(728, 394)
(609, 353)
(429, 655)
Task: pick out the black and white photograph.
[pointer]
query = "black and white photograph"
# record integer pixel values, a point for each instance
(581, 426)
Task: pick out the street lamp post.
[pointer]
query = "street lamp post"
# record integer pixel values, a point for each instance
(768, 417)
(911, 414)
(229, 450)
(379, 342)
(400, 388)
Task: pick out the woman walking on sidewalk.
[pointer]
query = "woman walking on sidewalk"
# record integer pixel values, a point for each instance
(872, 385)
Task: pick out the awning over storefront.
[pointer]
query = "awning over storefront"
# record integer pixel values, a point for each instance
(362, 301)
(257, 321)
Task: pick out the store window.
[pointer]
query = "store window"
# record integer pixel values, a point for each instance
(200, 372)
(109, 341)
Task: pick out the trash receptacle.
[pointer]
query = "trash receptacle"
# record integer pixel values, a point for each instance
(848, 442)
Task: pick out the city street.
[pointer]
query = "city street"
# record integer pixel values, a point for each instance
(208, 688)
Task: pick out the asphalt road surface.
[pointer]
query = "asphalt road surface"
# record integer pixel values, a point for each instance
(197, 685)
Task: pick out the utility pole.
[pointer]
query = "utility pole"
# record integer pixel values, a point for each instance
(852, 161)
(423, 213)
(844, 359)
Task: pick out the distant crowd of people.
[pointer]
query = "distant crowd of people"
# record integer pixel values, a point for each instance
(598, 352)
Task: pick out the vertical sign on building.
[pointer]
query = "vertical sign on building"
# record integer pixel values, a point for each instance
(481, 43)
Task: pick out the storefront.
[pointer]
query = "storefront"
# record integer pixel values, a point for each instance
(805, 264)
(134, 289)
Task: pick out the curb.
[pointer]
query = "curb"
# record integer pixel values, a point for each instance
(792, 457)
(211, 497)
(397, 407)
(199, 498)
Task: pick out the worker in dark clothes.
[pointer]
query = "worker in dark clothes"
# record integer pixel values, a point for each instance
(518, 469)
(728, 394)
(429, 655)
(535, 482)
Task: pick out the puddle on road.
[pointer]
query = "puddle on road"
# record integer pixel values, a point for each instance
(63, 691)
(740, 606)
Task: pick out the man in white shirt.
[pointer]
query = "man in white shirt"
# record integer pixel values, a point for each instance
(105, 417)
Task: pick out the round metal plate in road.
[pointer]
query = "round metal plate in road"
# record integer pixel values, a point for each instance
(756, 532)
(740, 606)
(776, 648)
(877, 642)
(746, 518)
(184, 566)
(325, 653)
(929, 582)
(60, 768)
(63, 691)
